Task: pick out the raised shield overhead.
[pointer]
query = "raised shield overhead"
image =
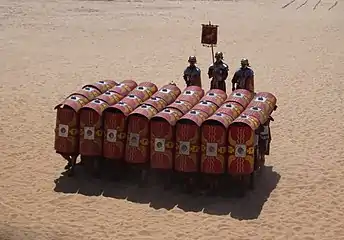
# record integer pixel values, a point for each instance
(188, 141)
(156, 102)
(88, 92)
(102, 86)
(144, 90)
(124, 87)
(115, 127)
(91, 128)
(242, 141)
(231, 109)
(207, 107)
(266, 101)
(137, 147)
(67, 124)
(163, 137)
(182, 106)
(214, 143)
(256, 112)
(110, 97)
(216, 96)
(130, 83)
(241, 96)
(191, 94)
(168, 93)
(132, 100)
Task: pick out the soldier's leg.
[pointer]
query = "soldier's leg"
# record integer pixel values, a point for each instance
(212, 84)
(68, 158)
(73, 163)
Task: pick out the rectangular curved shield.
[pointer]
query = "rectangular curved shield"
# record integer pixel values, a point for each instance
(188, 142)
(242, 141)
(162, 138)
(67, 124)
(91, 128)
(137, 147)
(214, 144)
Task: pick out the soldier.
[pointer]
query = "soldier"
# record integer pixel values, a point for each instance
(192, 74)
(244, 77)
(218, 72)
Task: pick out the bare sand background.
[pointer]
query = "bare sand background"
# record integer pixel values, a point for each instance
(48, 49)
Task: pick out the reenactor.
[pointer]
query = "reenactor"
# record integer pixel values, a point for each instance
(244, 77)
(218, 72)
(192, 74)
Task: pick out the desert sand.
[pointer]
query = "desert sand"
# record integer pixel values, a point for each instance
(50, 48)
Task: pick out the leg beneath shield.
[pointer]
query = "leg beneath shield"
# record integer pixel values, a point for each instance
(93, 165)
(69, 159)
(72, 165)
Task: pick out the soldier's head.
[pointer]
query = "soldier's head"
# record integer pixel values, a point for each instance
(244, 63)
(192, 60)
(218, 56)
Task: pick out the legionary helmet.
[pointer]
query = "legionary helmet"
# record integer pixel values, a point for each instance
(219, 55)
(192, 59)
(244, 62)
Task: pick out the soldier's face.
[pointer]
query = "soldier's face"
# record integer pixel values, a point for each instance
(192, 63)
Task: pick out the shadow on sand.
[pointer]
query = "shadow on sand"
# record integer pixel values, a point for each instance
(245, 208)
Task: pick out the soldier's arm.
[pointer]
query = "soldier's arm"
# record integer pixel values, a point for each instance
(251, 81)
(199, 73)
(185, 75)
(234, 80)
(225, 72)
(210, 71)
(235, 77)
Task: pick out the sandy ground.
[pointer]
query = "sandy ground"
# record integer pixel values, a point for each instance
(49, 49)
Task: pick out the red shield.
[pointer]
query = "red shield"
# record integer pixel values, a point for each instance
(91, 128)
(182, 106)
(115, 127)
(144, 90)
(132, 101)
(241, 96)
(168, 93)
(264, 100)
(231, 109)
(192, 94)
(188, 141)
(256, 112)
(130, 83)
(156, 102)
(110, 97)
(162, 138)
(214, 143)
(124, 88)
(137, 147)
(67, 124)
(102, 86)
(207, 107)
(88, 92)
(216, 96)
(242, 142)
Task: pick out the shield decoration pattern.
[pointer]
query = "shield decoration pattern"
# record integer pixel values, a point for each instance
(241, 139)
